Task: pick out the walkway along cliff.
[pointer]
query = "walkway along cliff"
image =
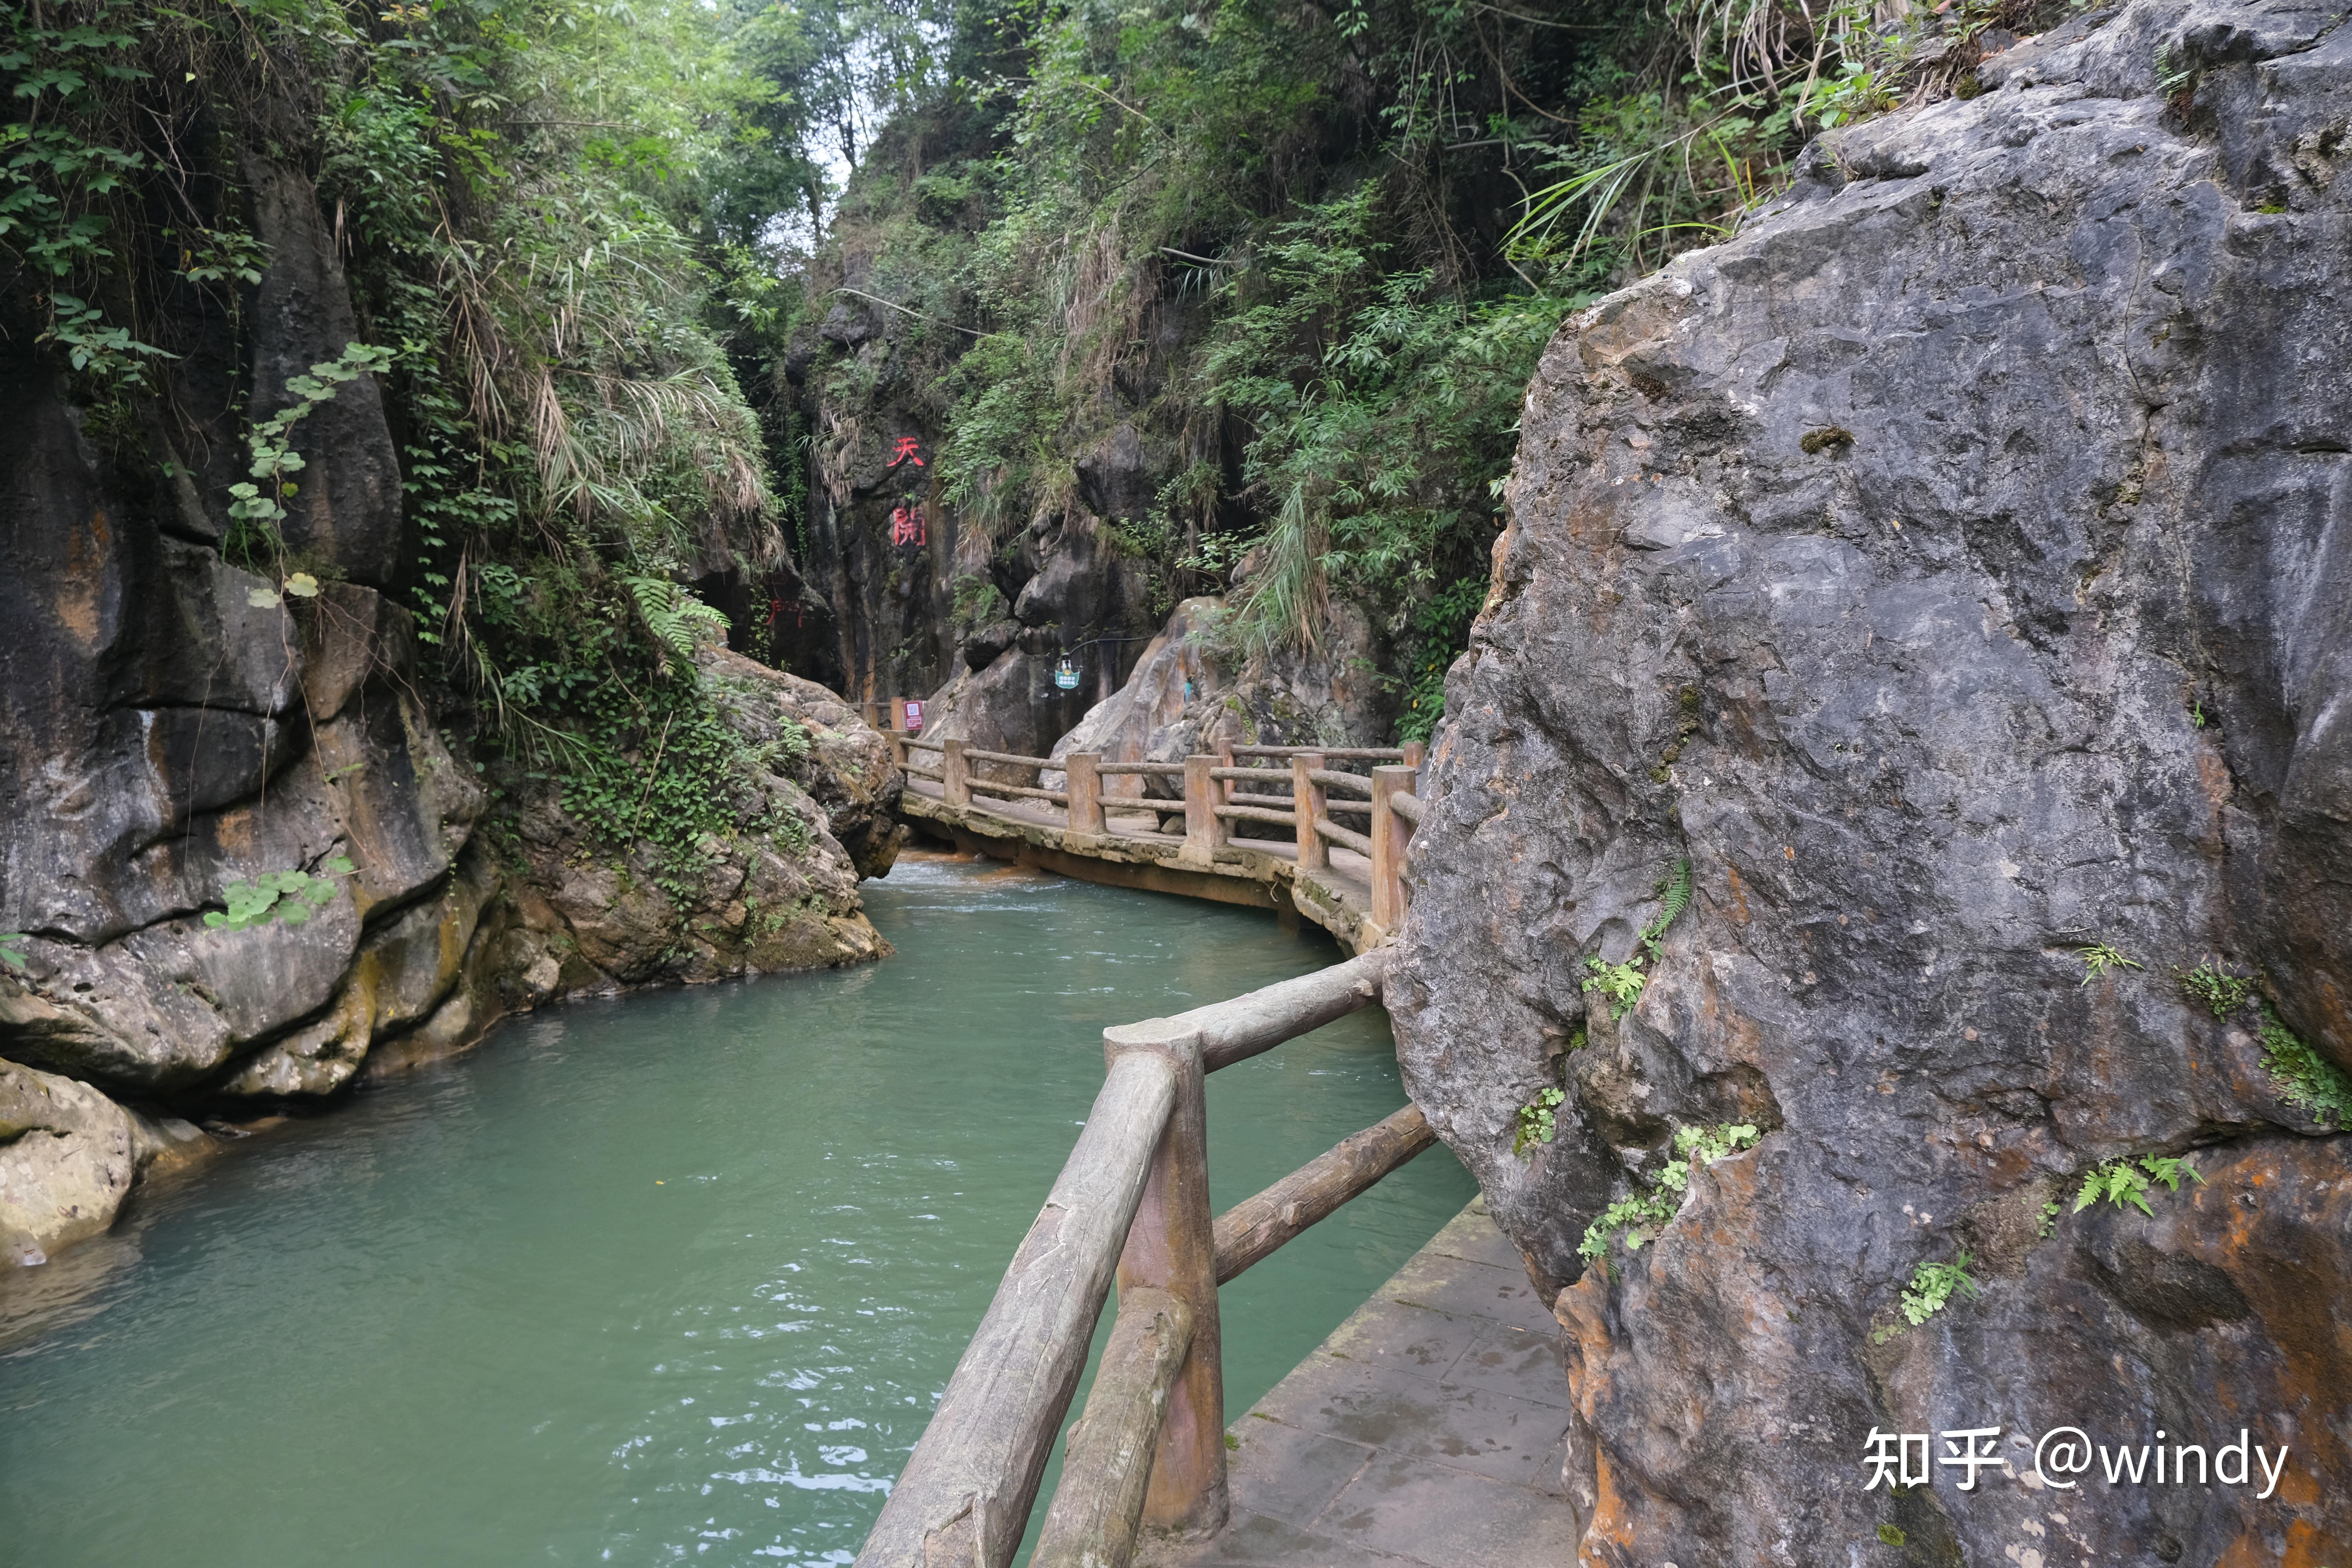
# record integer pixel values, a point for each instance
(1878, 923)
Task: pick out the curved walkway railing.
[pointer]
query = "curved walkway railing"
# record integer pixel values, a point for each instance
(1294, 786)
(1131, 1203)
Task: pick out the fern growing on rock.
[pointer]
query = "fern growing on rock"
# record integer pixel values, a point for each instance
(1622, 982)
(677, 620)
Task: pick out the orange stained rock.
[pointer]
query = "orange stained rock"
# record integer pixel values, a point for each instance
(86, 558)
(233, 829)
(1610, 1522)
(1738, 895)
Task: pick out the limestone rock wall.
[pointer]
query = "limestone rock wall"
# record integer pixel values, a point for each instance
(1956, 569)
(162, 734)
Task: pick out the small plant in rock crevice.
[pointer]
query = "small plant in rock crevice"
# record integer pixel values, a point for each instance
(2098, 957)
(1622, 982)
(12, 949)
(1536, 1125)
(1932, 1287)
(1639, 1218)
(2304, 1076)
(2214, 984)
(289, 898)
(2121, 1182)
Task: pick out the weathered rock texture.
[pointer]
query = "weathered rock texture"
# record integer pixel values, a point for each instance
(163, 736)
(918, 598)
(1956, 568)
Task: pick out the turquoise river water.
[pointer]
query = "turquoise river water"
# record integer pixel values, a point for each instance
(676, 1277)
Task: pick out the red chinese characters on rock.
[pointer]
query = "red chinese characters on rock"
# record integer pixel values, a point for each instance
(905, 452)
(907, 526)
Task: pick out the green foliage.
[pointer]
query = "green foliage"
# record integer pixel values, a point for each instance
(2120, 1182)
(1857, 92)
(1536, 1121)
(63, 179)
(2048, 1224)
(1892, 1535)
(1675, 896)
(1932, 1286)
(677, 620)
(2176, 70)
(1444, 625)
(1622, 983)
(1381, 405)
(1638, 1219)
(2304, 1076)
(2099, 957)
(977, 601)
(599, 703)
(289, 898)
(257, 504)
(2214, 984)
(12, 949)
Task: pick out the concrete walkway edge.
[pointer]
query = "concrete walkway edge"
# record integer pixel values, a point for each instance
(1428, 1430)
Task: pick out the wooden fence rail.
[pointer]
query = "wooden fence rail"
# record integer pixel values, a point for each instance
(1132, 1200)
(1212, 802)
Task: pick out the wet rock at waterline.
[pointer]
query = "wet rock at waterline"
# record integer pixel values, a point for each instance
(1956, 569)
(67, 1157)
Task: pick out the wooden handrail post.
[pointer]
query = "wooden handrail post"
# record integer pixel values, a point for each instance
(871, 712)
(1226, 787)
(1416, 754)
(963, 1498)
(1204, 828)
(1307, 805)
(955, 775)
(1172, 1246)
(897, 749)
(1389, 835)
(1082, 769)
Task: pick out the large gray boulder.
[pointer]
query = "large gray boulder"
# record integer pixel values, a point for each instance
(1956, 570)
(1143, 721)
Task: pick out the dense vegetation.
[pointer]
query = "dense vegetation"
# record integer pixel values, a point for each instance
(1310, 253)
(519, 194)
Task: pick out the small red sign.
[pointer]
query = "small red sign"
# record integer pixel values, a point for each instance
(914, 717)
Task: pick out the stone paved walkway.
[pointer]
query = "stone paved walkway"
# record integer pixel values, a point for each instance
(1426, 1430)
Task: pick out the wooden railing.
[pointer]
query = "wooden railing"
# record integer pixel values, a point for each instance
(1132, 1201)
(1383, 800)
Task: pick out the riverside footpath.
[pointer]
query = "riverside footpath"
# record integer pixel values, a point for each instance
(1428, 1429)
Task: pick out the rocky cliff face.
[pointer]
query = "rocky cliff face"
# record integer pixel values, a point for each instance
(171, 726)
(1955, 570)
(918, 598)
